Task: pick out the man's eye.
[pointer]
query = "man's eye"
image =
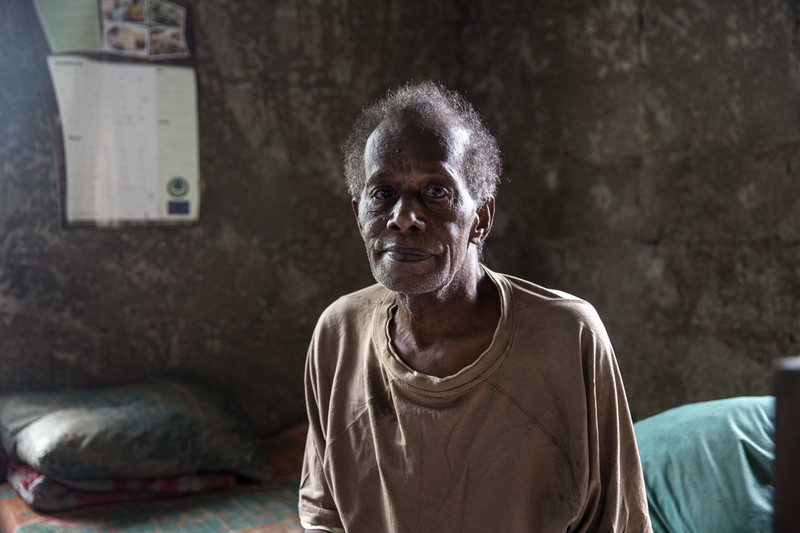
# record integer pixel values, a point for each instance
(436, 192)
(382, 194)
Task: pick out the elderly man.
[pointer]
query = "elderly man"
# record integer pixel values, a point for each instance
(448, 397)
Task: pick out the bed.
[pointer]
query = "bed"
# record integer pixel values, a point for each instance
(268, 508)
(127, 459)
(728, 465)
(709, 467)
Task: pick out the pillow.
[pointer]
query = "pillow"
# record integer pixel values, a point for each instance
(157, 427)
(708, 467)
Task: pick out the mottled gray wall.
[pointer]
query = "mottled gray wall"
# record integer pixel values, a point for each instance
(653, 149)
(651, 161)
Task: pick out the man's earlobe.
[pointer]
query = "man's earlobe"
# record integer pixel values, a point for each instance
(355, 212)
(485, 217)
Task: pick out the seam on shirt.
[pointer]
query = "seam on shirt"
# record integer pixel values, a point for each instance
(334, 438)
(314, 509)
(533, 420)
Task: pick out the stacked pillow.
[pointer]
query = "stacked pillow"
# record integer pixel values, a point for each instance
(158, 436)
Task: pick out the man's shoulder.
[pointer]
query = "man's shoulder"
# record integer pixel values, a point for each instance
(530, 293)
(550, 305)
(367, 297)
(535, 292)
(355, 306)
(344, 328)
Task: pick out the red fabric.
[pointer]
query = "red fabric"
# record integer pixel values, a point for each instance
(54, 494)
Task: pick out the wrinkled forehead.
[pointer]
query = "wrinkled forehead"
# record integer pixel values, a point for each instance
(429, 138)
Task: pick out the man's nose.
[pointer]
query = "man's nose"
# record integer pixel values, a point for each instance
(407, 214)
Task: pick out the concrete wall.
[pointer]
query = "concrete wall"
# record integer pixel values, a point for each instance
(651, 155)
(652, 150)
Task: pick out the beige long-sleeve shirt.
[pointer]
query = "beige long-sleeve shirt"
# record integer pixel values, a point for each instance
(535, 436)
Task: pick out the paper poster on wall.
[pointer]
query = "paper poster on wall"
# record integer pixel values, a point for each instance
(153, 29)
(147, 29)
(70, 25)
(130, 140)
(126, 123)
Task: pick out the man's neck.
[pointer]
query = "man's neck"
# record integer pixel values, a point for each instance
(439, 334)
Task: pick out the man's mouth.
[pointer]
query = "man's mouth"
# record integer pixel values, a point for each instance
(397, 253)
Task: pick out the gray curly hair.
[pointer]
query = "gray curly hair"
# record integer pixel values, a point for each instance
(482, 161)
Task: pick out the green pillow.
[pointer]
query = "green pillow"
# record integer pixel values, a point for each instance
(708, 467)
(158, 427)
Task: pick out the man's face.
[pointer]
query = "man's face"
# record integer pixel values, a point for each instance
(415, 213)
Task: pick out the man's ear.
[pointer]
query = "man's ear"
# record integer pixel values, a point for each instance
(355, 211)
(485, 217)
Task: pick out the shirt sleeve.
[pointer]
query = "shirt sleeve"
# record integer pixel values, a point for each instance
(316, 504)
(321, 528)
(615, 493)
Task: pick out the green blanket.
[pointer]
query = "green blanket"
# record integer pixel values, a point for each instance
(708, 466)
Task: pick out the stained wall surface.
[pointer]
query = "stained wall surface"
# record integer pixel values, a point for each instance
(651, 166)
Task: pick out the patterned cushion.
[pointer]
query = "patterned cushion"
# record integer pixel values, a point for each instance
(158, 427)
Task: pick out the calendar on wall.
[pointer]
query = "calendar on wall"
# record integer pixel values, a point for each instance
(126, 94)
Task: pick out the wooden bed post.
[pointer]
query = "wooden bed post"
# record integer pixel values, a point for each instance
(787, 446)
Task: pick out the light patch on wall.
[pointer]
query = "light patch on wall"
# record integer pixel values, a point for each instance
(662, 290)
(747, 195)
(304, 286)
(659, 107)
(144, 274)
(597, 140)
(66, 357)
(551, 179)
(10, 306)
(229, 240)
(739, 36)
(89, 365)
(602, 195)
(534, 65)
(651, 266)
(789, 226)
